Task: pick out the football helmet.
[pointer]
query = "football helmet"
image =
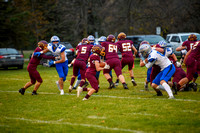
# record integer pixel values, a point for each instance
(85, 41)
(121, 36)
(144, 42)
(42, 44)
(90, 38)
(192, 37)
(98, 49)
(145, 50)
(102, 39)
(55, 39)
(162, 44)
(110, 38)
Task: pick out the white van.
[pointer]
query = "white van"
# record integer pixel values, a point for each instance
(176, 39)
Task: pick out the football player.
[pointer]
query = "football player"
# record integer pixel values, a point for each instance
(80, 62)
(167, 68)
(91, 39)
(32, 69)
(93, 67)
(192, 63)
(112, 59)
(126, 47)
(187, 45)
(58, 50)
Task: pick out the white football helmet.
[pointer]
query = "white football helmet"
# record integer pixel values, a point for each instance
(162, 44)
(55, 39)
(145, 50)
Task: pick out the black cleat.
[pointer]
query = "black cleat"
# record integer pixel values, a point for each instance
(112, 85)
(34, 93)
(116, 83)
(174, 87)
(22, 91)
(194, 86)
(134, 83)
(159, 93)
(125, 86)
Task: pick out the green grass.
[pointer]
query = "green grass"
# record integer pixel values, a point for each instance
(115, 110)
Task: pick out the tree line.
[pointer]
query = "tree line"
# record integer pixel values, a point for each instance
(25, 22)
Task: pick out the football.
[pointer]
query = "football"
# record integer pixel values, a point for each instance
(102, 64)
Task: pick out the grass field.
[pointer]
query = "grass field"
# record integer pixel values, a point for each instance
(116, 110)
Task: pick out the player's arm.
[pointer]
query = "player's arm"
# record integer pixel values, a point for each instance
(135, 51)
(98, 68)
(41, 52)
(186, 56)
(180, 48)
(159, 50)
(149, 62)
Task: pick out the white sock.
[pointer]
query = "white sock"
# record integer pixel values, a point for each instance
(77, 83)
(168, 89)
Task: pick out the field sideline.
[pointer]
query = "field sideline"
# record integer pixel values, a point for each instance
(116, 110)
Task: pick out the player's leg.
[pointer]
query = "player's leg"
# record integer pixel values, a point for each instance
(130, 68)
(75, 73)
(167, 74)
(61, 73)
(38, 83)
(28, 84)
(118, 72)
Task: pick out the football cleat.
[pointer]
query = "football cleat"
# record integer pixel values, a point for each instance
(34, 93)
(70, 88)
(146, 86)
(79, 90)
(116, 83)
(84, 99)
(134, 83)
(58, 85)
(125, 86)
(112, 85)
(159, 93)
(194, 86)
(171, 97)
(22, 91)
(62, 92)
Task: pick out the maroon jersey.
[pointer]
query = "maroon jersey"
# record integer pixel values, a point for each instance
(125, 47)
(110, 50)
(195, 53)
(188, 44)
(35, 61)
(91, 63)
(84, 52)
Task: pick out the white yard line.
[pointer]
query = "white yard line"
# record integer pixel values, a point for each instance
(74, 124)
(49, 93)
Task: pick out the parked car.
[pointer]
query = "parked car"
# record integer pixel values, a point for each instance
(10, 57)
(69, 50)
(152, 39)
(177, 39)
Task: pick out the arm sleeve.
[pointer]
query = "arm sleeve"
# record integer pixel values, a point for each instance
(47, 57)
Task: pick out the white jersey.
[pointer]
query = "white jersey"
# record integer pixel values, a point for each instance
(168, 52)
(159, 59)
(58, 50)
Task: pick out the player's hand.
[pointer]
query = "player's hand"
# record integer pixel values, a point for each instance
(106, 66)
(37, 54)
(178, 64)
(69, 65)
(51, 62)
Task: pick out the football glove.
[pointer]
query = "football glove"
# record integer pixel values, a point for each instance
(106, 66)
(51, 62)
(37, 54)
(178, 64)
(69, 65)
